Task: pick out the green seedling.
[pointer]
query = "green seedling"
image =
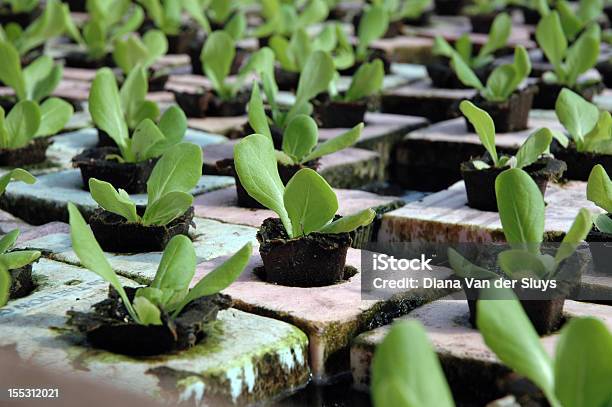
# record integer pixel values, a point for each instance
(116, 112)
(599, 191)
(167, 14)
(399, 10)
(306, 205)
(569, 62)
(477, 7)
(367, 81)
(590, 129)
(228, 14)
(576, 19)
(532, 149)
(168, 188)
(169, 292)
(372, 26)
(300, 138)
(9, 261)
(497, 39)
(133, 51)
(541, 6)
(521, 210)
(504, 80)
(283, 18)
(578, 375)
(21, 6)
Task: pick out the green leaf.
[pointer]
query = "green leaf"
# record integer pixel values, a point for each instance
(367, 81)
(583, 364)
(173, 125)
(91, 256)
(132, 95)
(536, 144)
(599, 188)
(55, 114)
(484, 126)
(176, 270)
(129, 52)
(337, 143)
(582, 55)
(310, 202)
(517, 264)
(315, 78)
(551, 39)
(22, 123)
(105, 107)
(157, 45)
(220, 278)
(300, 137)
(507, 332)
(315, 12)
(349, 223)
(179, 169)
(441, 47)
(406, 371)
(167, 208)
(117, 202)
(148, 314)
(498, 35)
(217, 57)
(466, 269)
(5, 285)
(8, 241)
(256, 166)
(603, 223)
(257, 115)
(18, 259)
(145, 138)
(41, 78)
(16, 174)
(465, 73)
(10, 70)
(236, 26)
(576, 114)
(582, 225)
(599, 139)
(521, 208)
(372, 26)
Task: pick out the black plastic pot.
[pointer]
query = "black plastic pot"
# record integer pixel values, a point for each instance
(22, 283)
(449, 7)
(35, 152)
(333, 114)
(312, 261)
(511, 115)
(116, 235)
(480, 184)
(108, 326)
(579, 165)
(605, 70)
(443, 76)
(132, 177)
(206, 103)
(549, 92)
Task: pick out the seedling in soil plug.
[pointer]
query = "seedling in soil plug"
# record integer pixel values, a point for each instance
(228, 14)
(22, 6)
(599, 191)
(406, 371)
(574, 20)
(367, 81)
(282, 18)
(579, 372)
(480, 7)
(522, 213)
(15, 260)
(373, 25)
(160, 304)
(134, 51)
(167, 14)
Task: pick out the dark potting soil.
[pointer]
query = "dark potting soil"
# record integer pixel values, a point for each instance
(481, 23)
(311, 261)
(247, 130)
(181, 43)
(286, 80)
(480, 184)
(334, 114)
(511, 115)
(21, 19)
(601, 250)
(33, 153)
(580, 164)
(80, 59)
(108, 326)
(395, 28)
(244, 200)
(443, 76)
(207, 104)
(77, 5)
(374, 53)
(449, 7)
(116, 235)
(420, 21)
(549, 92)
(132, 177)
(605, 70)
(530, 16)
(22, 283)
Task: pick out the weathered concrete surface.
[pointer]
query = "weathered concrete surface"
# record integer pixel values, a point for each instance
(471, 369)
(431, 157)
(211, 239)
(221, 205)
(231, 365)
(218, 125)
(331, 316)
(47, 200)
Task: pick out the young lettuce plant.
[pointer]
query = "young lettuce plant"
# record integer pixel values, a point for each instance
(300, 138)
(115, 113)
(599, 191)
(282, 18)
(169, 292)
(21, 6)
(167, 14)
(485, 6)
(367, 81)
(574, 20)
(577, 375)
(399, 10)
(569, 62)
(133, 51)
(497, 39)
(306, 205)
(168, 189)
(589, 128)
(228, 14)
(532, 149)
(503, 81)
(372, 26)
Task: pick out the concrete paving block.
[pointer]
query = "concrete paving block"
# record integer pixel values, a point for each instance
(331, 316)
(225, 126)
(232, 365)
(221, 205)
(47, 200)
(211, 239)
(406, 49)
(472, 370)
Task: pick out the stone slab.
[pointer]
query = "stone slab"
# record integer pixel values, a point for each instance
(47, 199)
(231, 365)
(470, 367)
(221, 205)
(331, 316)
